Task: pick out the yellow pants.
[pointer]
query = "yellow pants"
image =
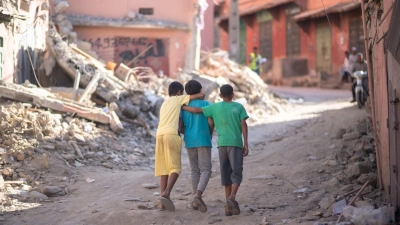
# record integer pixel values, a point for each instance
(168, 155)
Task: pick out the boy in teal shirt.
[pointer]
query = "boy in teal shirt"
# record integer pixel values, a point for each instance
(198, 143)
(230, 121)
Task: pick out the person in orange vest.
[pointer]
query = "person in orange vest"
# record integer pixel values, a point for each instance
(256, 60)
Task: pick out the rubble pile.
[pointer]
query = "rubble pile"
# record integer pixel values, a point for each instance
(135, 101)
(217, 69)
(40, 148)
(351, 182)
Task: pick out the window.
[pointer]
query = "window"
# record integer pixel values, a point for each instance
(264, 19)
(146, 11)
(292, 31)
(356, 35)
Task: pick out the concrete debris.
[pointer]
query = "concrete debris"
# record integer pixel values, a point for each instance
(53, 191)
(61, 7)
(216, 69)
(351, 136)
(38, 196)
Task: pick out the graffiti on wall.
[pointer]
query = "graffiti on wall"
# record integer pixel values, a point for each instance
(127, 48)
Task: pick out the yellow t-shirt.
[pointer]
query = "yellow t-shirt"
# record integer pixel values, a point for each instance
(169, 114)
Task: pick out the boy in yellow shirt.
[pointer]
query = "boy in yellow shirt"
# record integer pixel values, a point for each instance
(169, 143)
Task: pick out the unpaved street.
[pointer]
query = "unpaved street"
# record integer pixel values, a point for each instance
(286, 150)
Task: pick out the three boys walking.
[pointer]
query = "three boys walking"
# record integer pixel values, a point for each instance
(198, 120)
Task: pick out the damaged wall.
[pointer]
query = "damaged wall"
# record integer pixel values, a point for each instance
(24, 32)
(118, 33)
(376, 29)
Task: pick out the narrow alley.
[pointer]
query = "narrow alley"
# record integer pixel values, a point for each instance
(287, 153)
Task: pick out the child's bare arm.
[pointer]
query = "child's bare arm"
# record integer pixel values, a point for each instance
(197, 96)
(245, 136)
(211, 125)
(181, 127)
(192, 109)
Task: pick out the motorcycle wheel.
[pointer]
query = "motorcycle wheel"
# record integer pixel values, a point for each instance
(359, 99)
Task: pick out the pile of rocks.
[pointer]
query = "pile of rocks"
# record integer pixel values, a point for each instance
(217, 69)
(353, 181)
(39, 148)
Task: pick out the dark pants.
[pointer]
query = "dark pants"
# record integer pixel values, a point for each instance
(353, 87)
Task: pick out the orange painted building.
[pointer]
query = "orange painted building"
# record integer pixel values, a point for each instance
(295, 35)
(120, 30)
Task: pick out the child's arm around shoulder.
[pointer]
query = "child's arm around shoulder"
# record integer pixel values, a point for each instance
(192, 109)
(197, 96)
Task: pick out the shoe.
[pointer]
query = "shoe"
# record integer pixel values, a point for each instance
(233, 206)
(352, 101)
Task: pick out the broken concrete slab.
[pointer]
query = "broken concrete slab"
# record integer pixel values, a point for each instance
(351, 136)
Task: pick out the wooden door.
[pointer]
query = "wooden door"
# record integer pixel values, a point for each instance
(324, 47)
(394, 127)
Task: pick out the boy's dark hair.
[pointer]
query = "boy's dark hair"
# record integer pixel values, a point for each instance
(193, 87)
(174, 88)
(226, 90)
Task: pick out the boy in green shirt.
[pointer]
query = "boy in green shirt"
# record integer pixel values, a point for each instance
(230, 122)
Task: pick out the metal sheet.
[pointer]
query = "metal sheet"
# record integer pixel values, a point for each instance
(324, 47)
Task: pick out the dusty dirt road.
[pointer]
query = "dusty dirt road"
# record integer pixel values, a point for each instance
(290, 146)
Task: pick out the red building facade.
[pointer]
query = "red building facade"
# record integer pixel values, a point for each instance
(295, 35)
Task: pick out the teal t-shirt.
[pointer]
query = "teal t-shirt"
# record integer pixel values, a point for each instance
(197, 131)
(227, 117)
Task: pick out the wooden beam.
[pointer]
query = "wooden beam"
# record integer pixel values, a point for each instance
(76, 84)
(90, 88)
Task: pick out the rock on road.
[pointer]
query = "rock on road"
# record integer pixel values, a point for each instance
(287, 147)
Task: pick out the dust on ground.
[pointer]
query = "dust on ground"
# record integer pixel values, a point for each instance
(287, 153)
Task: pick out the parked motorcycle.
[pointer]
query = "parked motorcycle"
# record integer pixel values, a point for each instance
(361, 87)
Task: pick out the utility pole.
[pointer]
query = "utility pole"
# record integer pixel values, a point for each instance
(193, 57)
(234, 30)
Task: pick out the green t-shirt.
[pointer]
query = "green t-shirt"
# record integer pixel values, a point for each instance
(227, 117)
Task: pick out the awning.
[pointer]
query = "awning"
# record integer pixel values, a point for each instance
(317, 13)
(253, 6)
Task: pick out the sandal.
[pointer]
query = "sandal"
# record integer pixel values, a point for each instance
(168, 204)
(200, 204)
(233, 206)
(194, 207)
(228, 213)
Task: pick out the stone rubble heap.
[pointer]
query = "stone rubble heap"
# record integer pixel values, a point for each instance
(217, 69)
(350, 181)
(39, 148)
